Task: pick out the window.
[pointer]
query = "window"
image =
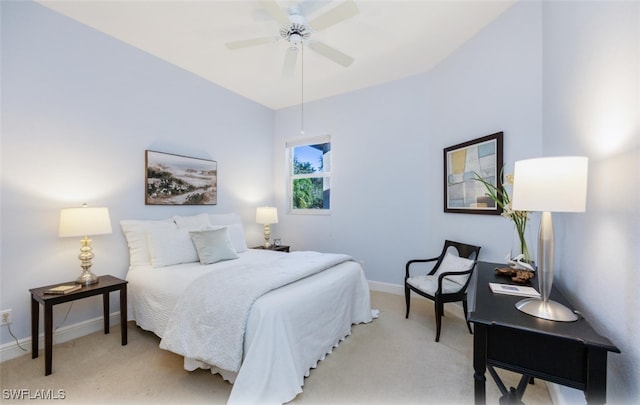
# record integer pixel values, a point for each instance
(309, 175)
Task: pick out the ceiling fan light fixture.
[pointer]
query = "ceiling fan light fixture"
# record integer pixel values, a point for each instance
(295, 33)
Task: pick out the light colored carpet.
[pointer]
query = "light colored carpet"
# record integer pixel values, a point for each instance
(392, 360)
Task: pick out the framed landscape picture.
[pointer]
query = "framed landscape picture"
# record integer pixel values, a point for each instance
(180, 180)
(462, 162)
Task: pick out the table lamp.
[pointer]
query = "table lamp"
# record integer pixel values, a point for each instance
(553, 184)
(84, 222)
(267, 216)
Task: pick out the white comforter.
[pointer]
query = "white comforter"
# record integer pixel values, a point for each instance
(209, 320)
(288, 330)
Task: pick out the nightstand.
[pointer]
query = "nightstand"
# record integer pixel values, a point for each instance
(104, 286)
(281, 248)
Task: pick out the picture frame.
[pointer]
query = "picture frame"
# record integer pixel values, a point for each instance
(180, 180)
(462, 193)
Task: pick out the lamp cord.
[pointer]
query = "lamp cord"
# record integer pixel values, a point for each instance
(37, 337)
(64, 320)
(15, 338)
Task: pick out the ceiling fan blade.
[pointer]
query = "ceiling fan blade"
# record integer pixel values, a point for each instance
(332, 53)
(250, 42)
(290, 60)
(275, 11)
(337, 14)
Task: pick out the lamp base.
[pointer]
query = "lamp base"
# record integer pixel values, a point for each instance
(267, 236)
(550, 310)
(87, 278)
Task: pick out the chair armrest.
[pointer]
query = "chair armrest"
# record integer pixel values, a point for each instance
(455, 273)
(410, 262)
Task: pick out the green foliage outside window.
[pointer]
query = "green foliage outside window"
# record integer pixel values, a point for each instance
(307, 193)
(302, 167)
(310, 183)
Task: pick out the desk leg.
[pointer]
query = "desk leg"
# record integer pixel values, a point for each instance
(35, 321)
(105, 311)
(123, 314)
(479, 363)
(596, 389)
(48, 338)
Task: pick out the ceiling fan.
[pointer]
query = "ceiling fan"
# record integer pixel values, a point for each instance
(296, 30)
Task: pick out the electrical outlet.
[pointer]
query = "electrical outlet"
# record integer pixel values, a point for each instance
(5, 317)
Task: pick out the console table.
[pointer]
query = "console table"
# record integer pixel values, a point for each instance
(104, 286)
(566, 353)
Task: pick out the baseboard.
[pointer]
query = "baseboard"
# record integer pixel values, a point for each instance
(561, 395)
(11, 350)
(386, 287)
(396, 289)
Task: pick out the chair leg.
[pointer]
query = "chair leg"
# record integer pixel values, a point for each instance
(466, 315)
(407, 300)
(439, 309)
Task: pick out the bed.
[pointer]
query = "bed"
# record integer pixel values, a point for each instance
(261, 319)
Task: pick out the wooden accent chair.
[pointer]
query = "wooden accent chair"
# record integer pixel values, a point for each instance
(446, 282)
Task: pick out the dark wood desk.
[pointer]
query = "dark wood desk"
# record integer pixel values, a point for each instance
(105, 285)
(566, 353)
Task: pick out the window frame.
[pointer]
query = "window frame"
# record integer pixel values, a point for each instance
(290, 145)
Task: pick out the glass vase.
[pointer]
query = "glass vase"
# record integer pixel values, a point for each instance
(523, 244)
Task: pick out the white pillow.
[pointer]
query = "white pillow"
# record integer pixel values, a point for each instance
(213, 245)
(236, 230)
(455, 263)
(169, 246)
(236, 234)
(135, 232)
(224, 219)
(192, 222)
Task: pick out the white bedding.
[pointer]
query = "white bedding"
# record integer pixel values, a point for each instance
(208, 322)
(288, 329)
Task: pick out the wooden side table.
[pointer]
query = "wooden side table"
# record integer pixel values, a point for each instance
(104, 286)
(281, 248)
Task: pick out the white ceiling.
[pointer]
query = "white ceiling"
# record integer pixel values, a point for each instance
(388, 40)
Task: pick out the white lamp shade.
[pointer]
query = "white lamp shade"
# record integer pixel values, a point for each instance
(267, 215)
(552, 184)
(84, 221)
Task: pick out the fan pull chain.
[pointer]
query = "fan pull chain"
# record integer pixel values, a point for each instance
(302, 91)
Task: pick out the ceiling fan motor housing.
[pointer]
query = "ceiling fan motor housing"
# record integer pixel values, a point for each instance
(297, 31)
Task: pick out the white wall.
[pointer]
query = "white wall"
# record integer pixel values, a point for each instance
(377, 191)
(558, 78)
(493, 83)
(387, 152)
(592, 108)
(78, 111)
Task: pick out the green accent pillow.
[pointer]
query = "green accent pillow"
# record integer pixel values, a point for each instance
(213, 245)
